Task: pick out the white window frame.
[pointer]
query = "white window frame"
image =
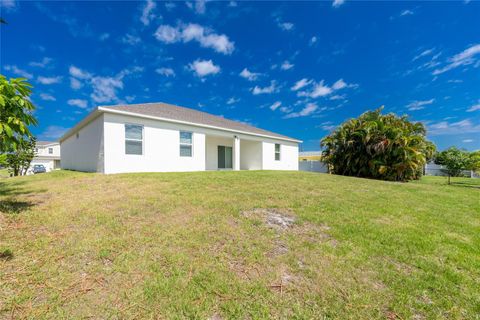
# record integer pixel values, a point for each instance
(185, 144)
(279, 152)
(129, 139)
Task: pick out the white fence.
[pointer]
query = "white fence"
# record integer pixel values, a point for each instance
(431, 169)
(314, 166)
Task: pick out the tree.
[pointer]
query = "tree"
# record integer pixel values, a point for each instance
(386, 147)
(16, 113)
(455, 161)
(475, 161)
(19, 160)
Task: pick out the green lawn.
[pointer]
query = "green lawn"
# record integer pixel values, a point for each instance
(180, 245)
(4, 173)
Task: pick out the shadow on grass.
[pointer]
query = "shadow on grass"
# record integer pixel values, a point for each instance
(14, 206)
(463, 184)
(9, 191)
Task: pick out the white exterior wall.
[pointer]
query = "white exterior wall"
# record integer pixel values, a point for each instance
(43, 150)
(100, 147)
(161, 147)
(250, 155)
(85, 153)
(212, 143)
(288, 155)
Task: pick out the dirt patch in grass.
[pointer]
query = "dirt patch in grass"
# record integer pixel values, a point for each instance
(285, 221)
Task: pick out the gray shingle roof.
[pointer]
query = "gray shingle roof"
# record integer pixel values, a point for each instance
(168, 111)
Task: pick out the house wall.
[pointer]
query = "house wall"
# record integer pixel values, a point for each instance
(100, 147)
(43, 150)
(85, 152)
(288, 155)
(212, 143)
(161, 147)
(250, 155)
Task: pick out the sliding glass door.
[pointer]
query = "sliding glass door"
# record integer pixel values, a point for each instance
(225, 156)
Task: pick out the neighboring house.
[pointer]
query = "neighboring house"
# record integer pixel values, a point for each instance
(310, 156)
(159, 137)
(48, 154)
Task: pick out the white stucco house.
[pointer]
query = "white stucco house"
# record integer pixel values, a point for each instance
(47, 153)
(159, 137)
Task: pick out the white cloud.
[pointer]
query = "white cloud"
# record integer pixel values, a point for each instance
(232, 4)
(474, 108)
(339, 84)
(104, 36)
(459, 127)
(206, 37)
(168, 34)
(327, 126)
(79, 73)
(167, 72)
(131, 39)
(419, 104)
(199, 6)
(313, 40)
(41, 64)
(286, 26)
(78, 103)
(105, 89)
(309, 109)
(147, 12)
(337, 3)
(19, 72)
(423, 54)
(49, 80)
(204, 68)
(466, 57)
(47, 97)
(250, 76)
(337, 97)
(467, 140)
(406, 13)
(266, 90)
(232, 100)
(275, 106)
(320, 90)
(300, 84)
(170, 6)
(75, 84)
(8, 5)
(286, 65)
(52, 132)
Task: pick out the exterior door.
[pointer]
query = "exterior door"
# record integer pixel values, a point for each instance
(225, 157)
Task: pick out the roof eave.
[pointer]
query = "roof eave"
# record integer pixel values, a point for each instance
(134, 114)
(91, 116)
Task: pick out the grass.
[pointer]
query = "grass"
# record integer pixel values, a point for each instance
(4, 173)
(176, 245)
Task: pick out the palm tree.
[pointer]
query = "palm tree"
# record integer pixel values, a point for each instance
(378, 146)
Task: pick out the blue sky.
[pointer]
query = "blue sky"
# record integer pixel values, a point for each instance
(297, 68)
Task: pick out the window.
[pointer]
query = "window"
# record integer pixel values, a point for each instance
(186, 144)
(36, 150)
(77, 135)
(50, 150)
(133, 139)
(277, 151)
